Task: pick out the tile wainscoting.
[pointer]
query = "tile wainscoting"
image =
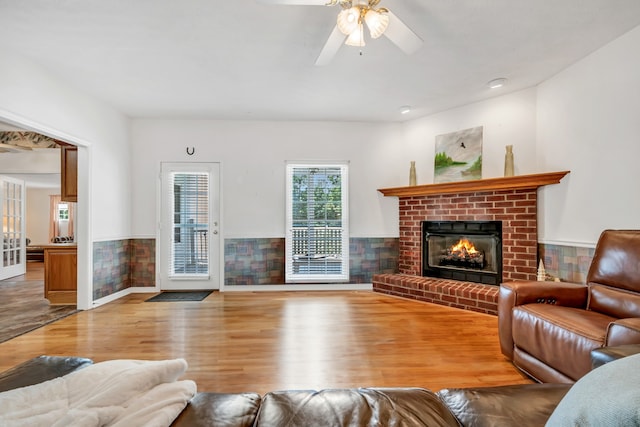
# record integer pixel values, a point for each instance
(262, 261)
(120, 264)
(569, 263)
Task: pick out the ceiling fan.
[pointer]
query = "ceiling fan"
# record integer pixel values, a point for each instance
(8, 148)
(351, 21)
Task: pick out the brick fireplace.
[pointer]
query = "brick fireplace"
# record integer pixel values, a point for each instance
(511, 200)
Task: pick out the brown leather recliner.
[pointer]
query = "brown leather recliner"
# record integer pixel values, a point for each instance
(548, 329)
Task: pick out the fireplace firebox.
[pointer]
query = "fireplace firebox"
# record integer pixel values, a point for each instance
(469, 251)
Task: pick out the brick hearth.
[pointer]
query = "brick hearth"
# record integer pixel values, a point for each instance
(466, 295)
(511, 200)
(517, 209)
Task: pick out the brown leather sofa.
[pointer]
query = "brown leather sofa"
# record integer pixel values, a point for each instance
(548, 329)
(512, 405)
(337, 407)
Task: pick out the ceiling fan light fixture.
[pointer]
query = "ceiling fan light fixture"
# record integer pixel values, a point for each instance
(356, 38)
(377, 22)
(348, 20)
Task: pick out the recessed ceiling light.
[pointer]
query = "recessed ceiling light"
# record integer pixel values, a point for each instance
(496, 83)
(405, 109)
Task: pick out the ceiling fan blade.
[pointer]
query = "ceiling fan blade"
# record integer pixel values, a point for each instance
(6, 148)
(331, 47)
(402, 36)
(296, 2)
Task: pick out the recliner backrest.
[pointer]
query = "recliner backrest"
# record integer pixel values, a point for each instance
(614, 274)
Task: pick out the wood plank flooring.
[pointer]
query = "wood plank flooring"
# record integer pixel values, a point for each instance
(237, 341)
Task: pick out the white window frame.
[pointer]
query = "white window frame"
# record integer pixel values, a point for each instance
(293, 273)
(63, 210)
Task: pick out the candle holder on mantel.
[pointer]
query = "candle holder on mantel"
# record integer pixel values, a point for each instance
(412, 174)
(508, 161)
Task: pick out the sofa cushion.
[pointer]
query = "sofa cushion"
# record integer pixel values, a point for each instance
(220, 410)
(40, 369)
(387, 407)
(614, 302)
(616, 260)
(519, 405)
(562, 337)
(606, 396)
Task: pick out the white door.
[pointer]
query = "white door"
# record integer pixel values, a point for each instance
(12, 206)
(190, 226)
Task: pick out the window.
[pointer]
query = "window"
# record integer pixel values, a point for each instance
(317, 237)
(63, 212)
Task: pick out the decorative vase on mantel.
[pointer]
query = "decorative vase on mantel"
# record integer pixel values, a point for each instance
(508, 161)
(412, 174)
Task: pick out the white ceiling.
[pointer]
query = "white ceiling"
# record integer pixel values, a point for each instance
(243, 59)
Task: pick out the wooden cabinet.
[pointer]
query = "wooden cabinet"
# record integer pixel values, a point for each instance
(69, 173)
(60, 274)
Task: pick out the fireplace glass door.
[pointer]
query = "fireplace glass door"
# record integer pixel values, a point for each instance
(463, 250)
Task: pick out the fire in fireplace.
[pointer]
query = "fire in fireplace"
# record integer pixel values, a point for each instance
(463, 254)
(463, 250)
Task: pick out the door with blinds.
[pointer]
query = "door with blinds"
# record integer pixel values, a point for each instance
(13, 240)
(190, 226)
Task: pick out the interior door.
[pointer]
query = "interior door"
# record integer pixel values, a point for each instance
(12, 206)
(190, 226)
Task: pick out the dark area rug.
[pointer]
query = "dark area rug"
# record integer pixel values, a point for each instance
(170, 296)
(23, 308)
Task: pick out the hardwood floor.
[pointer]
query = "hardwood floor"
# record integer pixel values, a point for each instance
(286, 340)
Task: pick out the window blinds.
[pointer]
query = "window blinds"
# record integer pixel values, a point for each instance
(189, 252)
(317, 237)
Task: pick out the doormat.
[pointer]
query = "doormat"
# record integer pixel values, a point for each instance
(170, 296)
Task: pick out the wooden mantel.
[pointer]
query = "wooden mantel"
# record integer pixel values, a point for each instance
(489, 184)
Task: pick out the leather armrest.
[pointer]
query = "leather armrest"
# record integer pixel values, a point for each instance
(558, 293)
(602, 355)
(623, 331)
(527, 292)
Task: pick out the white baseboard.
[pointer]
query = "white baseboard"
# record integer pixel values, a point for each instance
(302, 287)
(246, 288)
(124, 292)
(568, 243)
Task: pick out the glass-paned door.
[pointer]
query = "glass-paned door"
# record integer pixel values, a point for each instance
(12, 206)
(190, 226)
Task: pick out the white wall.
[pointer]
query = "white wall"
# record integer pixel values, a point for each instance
(31, 95)
(506, 120)
(38, 214)
(35, 161)
(253, 156)
(589, 123)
